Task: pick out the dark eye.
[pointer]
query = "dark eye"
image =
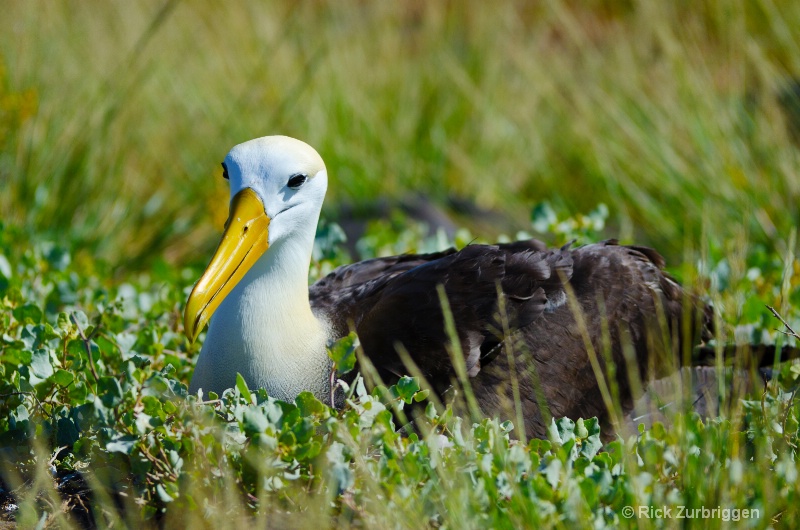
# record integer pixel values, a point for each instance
(224, 171)
(295, 181)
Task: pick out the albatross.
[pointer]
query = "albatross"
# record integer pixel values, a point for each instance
(532, 323)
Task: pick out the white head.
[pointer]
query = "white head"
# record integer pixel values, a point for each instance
(277, 188)
(287, 175)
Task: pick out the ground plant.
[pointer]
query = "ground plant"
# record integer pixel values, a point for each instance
(670, 124)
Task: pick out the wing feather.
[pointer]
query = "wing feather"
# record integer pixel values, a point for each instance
(516, 295)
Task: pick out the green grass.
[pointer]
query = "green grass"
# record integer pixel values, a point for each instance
(119, 114)
(114, 118)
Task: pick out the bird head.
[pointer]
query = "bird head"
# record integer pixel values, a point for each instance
(277, 187)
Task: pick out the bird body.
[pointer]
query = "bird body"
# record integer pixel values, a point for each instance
(244, 338)
(527, 318)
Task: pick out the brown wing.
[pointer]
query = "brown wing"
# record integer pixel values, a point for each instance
(626, 303)
(395, 301)
(625, 299)
(348, 292)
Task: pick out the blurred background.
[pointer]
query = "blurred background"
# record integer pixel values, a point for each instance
(682, 117)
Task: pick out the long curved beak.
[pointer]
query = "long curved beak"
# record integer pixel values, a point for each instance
(245, 239)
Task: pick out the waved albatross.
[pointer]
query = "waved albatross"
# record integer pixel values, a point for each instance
(271, 327)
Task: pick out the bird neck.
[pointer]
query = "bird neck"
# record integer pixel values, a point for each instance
(265, 328)
(283, 270)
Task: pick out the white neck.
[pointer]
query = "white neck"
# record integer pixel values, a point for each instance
(265, 330)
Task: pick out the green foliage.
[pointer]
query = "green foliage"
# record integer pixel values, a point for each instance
(94, 382)
(668, 112)
(580, 228)
(343, 353)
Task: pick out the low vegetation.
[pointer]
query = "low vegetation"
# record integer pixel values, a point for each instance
(96, 427)
(675, 124)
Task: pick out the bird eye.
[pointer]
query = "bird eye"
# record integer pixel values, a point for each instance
(224, 171)
(296, 181)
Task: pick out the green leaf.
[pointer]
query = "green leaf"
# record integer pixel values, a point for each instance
(153, 406)
(28, 314)
(110, 391)
(144, 423)
(406, 387)
(590, 441)
(67, 432)
(76, 350)
(81, 319)
(78, 392)
(170, 407)
(63, 378)
(241, 386)
(41, 366)
(580, 429)
(288, 439)
(430, 411)
(162, 494)
(552, 432)
(254, 421)
(422, 395)
(308, 451)
(122, 443)
(553, 472)
(343, 353)
(339, 464)
(566, 429)
(107, 348)
(62, 321)
(309, 405)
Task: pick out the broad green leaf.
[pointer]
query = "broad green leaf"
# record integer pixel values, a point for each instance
(67, 432)
(343, 353)
(406, 387)
(308, 451)
(41, 365)
(122, 443)
(110, 391)
(63, 377)
(28, 313)
(254, 421)
(553, 472)
(80, 319)
(309, 405)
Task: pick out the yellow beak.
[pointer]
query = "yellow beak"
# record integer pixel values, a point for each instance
(246, 238)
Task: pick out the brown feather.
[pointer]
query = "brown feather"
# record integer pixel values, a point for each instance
(624, 296)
